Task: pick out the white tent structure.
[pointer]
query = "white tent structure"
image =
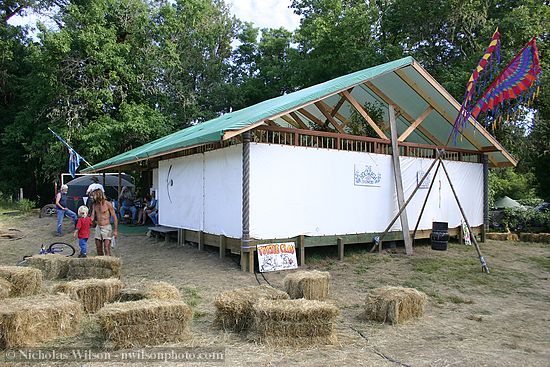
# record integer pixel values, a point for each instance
(289, 169)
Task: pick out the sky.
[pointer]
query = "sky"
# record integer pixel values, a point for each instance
(263, 13)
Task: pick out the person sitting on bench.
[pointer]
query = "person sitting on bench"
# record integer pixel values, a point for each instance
(152, 209)
(126, 200)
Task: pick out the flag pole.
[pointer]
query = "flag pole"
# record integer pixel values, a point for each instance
(68, 146)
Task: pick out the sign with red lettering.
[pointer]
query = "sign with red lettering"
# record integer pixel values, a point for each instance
(277, 256)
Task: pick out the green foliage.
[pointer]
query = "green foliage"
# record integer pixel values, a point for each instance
(526, 220)
(26, 205)
(359, 126)
(508, 182)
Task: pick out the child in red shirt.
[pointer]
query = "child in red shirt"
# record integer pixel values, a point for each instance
(83, 229)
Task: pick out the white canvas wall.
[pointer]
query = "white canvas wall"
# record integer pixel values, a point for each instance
(296, 190)
(202, 192)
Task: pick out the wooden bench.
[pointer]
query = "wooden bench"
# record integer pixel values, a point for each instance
(162, 231)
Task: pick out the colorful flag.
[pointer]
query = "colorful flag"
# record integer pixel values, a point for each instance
(519, 82)
(480, 74)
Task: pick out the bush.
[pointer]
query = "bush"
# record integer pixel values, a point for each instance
(26, 205)
(526, 220)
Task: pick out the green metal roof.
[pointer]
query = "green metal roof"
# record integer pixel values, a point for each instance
(382, 76)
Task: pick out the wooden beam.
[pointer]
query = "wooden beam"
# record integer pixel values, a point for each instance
(456, 105)
(399, 182)
(311, 116)
(340, 117)
(405, 115)
(331, 119)
(415, 124)
(270, 122)
(450, 119)
(299, 120)
(490, 149)
(290, 121)
(338, 105)
(363, 113)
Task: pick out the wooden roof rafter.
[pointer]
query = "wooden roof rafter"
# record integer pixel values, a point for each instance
(415, 124)
(440, 110)
(327, 113)
(351, 100)
(434, 140)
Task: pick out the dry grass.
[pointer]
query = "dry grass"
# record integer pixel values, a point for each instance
(24, 281)
(144, 323)
(98, 267)
(30, 321)
(52, 266)
(150, 290)
(234, 308)
(298, 321)
(308, 284)
(91, 293)
(5, 288)
(394, 304)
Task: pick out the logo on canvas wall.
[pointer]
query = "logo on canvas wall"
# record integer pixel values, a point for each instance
(365, 175)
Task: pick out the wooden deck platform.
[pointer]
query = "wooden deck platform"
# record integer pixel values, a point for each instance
(164, 232)
(233, 245)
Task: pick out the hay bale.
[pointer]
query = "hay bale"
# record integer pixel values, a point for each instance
(5, 288)
(144, 323)
(394, 304)
(52, 266)
(307, 284)
(91, 293)
(30, 321)
(496, 236)
(535, 237)
(150, 290)
(24, 281)
(234, 308)
(97, 267)
(297, 321)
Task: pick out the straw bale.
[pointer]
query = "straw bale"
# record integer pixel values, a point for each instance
(234, 308)
(295, 321)
(91, 293)
(308, 284)
(395, 304)
(150, 290)
(24, 281)
(5, 288)
(53, 266)
(31, 321)
(144, 323)
(97, 267)
(535, 237)
(508, 236)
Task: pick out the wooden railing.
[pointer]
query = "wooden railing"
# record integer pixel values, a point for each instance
(353, 143)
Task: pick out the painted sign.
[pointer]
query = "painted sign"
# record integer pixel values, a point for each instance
(365, 175)
(277, 256)
(427, 180)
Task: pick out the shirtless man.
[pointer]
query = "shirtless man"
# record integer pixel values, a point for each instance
(102, 210)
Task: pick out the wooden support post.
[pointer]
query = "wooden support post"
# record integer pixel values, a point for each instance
(201, 240)
(484, 266)
(251, 261)
(340, 244)
(222, 246)
(425, 202)
(460, 235)
(485, 226)
(302, 249)
(245, 238)
(399, 182)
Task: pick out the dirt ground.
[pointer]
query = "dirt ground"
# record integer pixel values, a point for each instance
(472, 319)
